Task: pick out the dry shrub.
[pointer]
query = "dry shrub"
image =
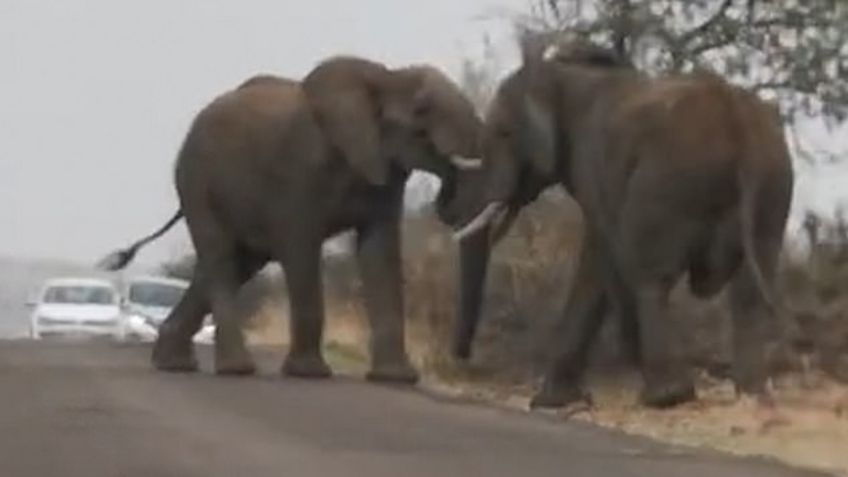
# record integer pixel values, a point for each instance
(527, 281)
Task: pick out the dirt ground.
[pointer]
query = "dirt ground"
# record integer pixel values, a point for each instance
(807, 427)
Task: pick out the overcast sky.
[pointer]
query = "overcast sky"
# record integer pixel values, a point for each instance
(96, 96)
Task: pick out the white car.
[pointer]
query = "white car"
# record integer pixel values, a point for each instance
(76, 307)
(148, 300)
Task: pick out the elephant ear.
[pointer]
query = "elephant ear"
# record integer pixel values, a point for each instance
(350, 120)
(540, 137)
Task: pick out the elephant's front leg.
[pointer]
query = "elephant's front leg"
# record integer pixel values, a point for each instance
(378, 253)
(575, 332)
(302, 264)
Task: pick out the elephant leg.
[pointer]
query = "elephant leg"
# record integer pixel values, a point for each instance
(227, 275)
(715, 263)
(575, 332)
(667, 379)
(173, 350)
(302, 263)
(652, 253)
(628, 331)
(751, 318)
(378, 255)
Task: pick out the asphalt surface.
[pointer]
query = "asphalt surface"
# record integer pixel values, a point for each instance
(97, 409)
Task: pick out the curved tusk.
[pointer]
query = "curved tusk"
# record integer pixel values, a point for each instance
(482, 219)
(466, 163)
(550, 52)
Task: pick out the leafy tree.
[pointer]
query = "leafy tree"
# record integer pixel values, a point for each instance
(792, 51)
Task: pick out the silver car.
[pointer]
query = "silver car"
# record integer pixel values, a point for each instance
(148, 300)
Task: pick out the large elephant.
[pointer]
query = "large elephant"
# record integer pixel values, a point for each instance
(677, 174)
(271, 169)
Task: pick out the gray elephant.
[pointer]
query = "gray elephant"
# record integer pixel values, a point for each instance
(271, 169)
(674, 175)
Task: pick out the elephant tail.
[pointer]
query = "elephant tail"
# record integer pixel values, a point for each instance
(748, 210)
(121, 258)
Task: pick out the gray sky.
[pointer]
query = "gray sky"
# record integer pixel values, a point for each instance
(96, 95)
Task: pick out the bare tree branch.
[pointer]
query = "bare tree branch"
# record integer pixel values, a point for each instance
(772, 85)
(709, 46)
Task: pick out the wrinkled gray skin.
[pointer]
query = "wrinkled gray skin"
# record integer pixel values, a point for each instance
(269, 170)
(674, 175)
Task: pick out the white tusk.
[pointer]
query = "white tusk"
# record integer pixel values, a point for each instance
(482, 219)
(466, 163)
(550, 52)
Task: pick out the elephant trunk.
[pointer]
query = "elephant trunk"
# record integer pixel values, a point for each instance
(474, 259)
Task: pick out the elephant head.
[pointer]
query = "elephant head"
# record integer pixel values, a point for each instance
(383, 119)
(526, 144)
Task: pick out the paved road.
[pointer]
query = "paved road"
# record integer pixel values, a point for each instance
(82, 410)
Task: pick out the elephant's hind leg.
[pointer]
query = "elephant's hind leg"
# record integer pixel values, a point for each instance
(225, 267)
(667, 380)
(751, 319)
(173, 350)
(231, 354)
(654, 254)
(713, 265)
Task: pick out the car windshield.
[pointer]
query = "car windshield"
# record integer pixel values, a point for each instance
(80, 294)
(155, 294)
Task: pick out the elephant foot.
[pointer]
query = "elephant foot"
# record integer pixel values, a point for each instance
(174, 355)
(234, 363)
(461, 351)
(400, 372)
(311, 366)
(560, 396)
(235, 368)
(669, 392)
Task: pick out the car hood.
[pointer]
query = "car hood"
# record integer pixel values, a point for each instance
(79, 312)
